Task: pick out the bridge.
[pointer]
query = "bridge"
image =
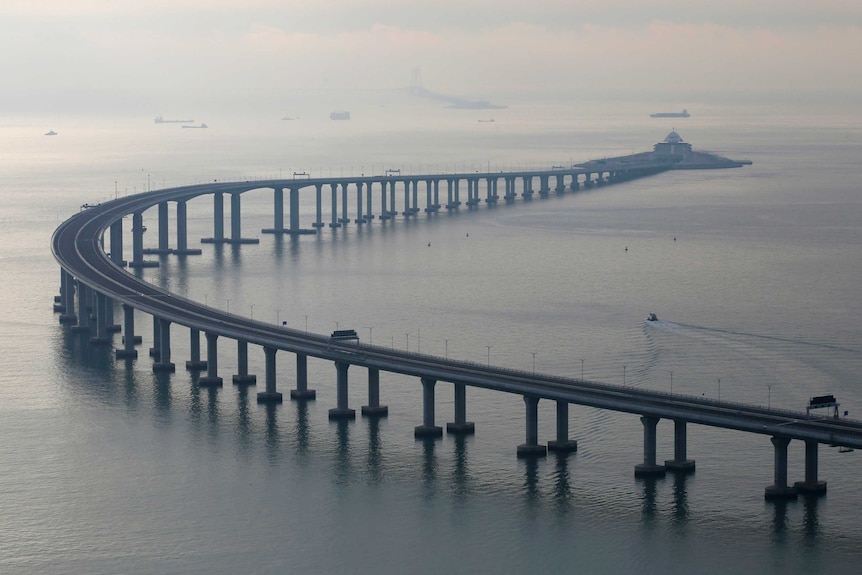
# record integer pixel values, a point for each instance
(93, 281)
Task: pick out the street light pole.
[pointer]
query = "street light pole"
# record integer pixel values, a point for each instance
(671, 381)
(582, 370)
(769, 396)
(489, 355)
(251, 310)
(447, 348)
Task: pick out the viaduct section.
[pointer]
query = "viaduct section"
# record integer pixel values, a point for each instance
(93, 281)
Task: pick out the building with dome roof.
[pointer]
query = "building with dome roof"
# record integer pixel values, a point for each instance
(673, 145)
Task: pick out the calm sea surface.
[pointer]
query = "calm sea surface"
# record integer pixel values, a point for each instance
(754, 273)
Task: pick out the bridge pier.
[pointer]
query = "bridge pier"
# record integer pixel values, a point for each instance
(157, 338)
(218, 220)
(302, 392)
(270, 395)
(236, 222)
(211, 379)
(195, 363)
(344, 219)
(811, 485)
(117, 243)
(334, 221)
(243, 377)
(374, 409)
(341, 411)
(183, 248)
(67, 297)
(532, 448)
(164, 361)
(369, 211)
(680, 462)
(101, 336)
(460, 426)
(649, 468)
(779, 489)
(384, 214)
(164, 247)
(83, 314)
(138, 230)
(527, 192)
(129, 338)
(392, 211)
(318, 222)
(360, 219)
(562, 443)
(428, 429)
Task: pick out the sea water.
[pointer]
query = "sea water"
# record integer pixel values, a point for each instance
(106, 467)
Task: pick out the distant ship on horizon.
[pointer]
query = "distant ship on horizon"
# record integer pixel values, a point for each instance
(160, 120)
(683, 114)
(200, 126)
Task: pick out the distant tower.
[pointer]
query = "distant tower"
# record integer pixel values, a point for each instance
(415, 87)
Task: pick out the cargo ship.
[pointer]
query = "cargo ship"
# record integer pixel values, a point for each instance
(683, 114)
(160, 120)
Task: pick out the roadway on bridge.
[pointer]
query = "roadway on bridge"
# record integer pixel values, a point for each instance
(77, 247)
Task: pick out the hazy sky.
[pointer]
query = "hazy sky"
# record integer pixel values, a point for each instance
(141, 55)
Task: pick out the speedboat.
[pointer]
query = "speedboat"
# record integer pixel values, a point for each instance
(50, 133)
(652, 317)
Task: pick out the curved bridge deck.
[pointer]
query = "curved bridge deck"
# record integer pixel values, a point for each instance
(100, 280)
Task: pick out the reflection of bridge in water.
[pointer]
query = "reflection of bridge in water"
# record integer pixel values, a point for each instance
(99, 281)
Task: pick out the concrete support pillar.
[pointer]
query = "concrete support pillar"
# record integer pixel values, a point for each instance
(531, 447)
(117, 243)
(779, 489)
(183, 231)
(195, 363)
(84, 297)
(562, 443)
(318, 194)
(649, 467)
(164, 230)
(407, 211)
(450, 191)
(344, 219)
(138, 230)
(218, 220)
(384, 213)
(460, 426)
(157, 338)
(164, 363)
(294, 210)
(341, 411)
(270, 395)
(302, 392)
(211, 379)
(369, 211)
(811, 485)
(236, 218)
(429, 202)
(374, 409)
(129, 338)
(334, 223)
(101, 332)
(243, 377)
(428, 429)
(544, 187)
(680, 462)
(67, 296)
(359, 218)
(527, 193)
(414, 208)
(278, 208)
(110, 326)
(392, 211)
(436, 194)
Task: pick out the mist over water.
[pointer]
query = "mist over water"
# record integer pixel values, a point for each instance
(753, 272)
